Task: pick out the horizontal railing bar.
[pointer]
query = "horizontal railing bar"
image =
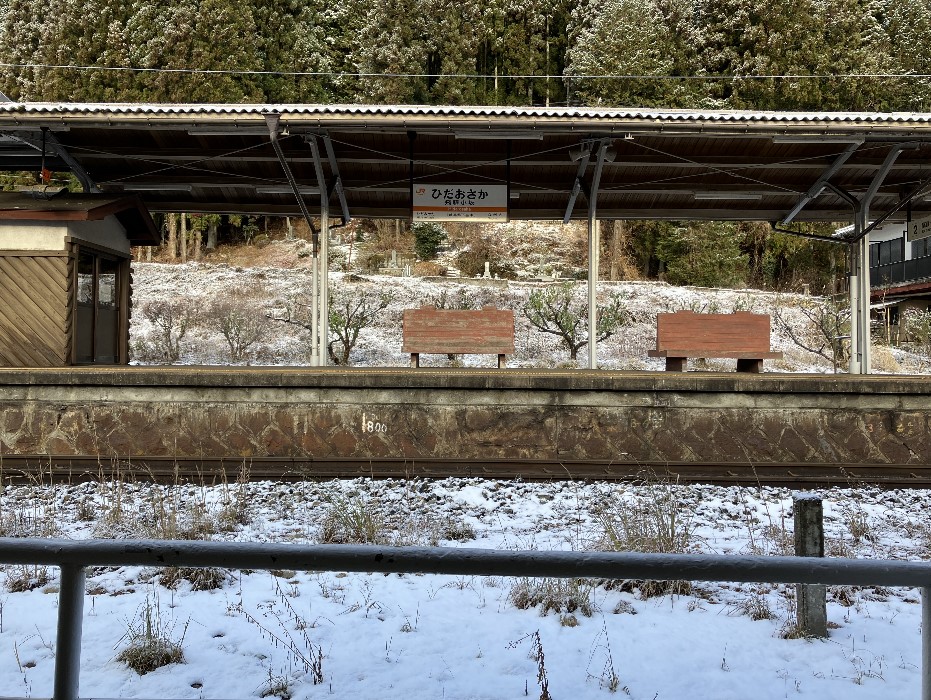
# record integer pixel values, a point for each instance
(464, 561)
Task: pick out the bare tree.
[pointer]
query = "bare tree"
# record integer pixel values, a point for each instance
(241, 326)
(557, 311)
(350, 313)
(825, 333)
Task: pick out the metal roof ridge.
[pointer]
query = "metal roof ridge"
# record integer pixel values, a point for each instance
(466, 110)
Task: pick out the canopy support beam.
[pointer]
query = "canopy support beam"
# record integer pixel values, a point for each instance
(45, 137)
(822, 182)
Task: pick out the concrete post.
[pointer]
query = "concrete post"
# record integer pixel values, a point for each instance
(811, 614)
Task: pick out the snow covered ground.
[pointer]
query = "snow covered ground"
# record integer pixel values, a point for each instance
(368, 636)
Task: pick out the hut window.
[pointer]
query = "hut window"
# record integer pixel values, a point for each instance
(98, 313)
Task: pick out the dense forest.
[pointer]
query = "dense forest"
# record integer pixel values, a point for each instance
(759, 54)
(850, 55)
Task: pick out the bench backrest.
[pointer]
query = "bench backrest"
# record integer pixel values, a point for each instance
(737, 332)
(452, 331)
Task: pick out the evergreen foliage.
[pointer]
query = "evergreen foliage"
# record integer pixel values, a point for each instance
(681, 53)
(428, 237)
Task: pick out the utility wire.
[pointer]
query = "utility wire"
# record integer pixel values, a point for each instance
(475, 76)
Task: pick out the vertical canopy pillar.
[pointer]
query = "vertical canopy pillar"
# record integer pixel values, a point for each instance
(860, 350)
(321, 277)
(319, 307)
(594, 249)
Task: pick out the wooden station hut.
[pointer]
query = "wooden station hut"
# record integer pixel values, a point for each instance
(65, 280)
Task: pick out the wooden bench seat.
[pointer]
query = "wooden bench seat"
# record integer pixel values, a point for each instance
(743, 336)
(433, 331)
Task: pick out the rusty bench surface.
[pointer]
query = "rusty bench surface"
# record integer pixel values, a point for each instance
(743, 336)
(429, 330)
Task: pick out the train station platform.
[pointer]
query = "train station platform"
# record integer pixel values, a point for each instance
(537, 423)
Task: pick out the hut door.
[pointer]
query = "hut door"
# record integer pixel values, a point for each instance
(97, 325)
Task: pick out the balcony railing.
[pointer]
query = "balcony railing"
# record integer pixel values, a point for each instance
(899, 272)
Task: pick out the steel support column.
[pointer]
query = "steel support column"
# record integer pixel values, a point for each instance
(320, 263)
(860, 351)
(594, 250)
(926, 643)
(319, 312)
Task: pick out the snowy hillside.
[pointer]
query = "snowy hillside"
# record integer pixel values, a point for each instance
(268, 291)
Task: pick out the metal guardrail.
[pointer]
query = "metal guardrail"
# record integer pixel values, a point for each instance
(73, 556)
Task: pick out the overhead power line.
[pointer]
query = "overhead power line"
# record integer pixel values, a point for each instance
(473, 76)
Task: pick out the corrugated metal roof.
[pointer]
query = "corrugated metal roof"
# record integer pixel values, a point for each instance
(63, 108)
(672, 164)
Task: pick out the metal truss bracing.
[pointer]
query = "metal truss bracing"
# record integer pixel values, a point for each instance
(44, 141)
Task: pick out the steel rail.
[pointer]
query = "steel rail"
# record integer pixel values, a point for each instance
(204, 470)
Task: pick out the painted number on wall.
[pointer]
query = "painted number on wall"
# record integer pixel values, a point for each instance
(371, 425)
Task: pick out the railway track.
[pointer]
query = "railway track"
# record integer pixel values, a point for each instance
(74, 469)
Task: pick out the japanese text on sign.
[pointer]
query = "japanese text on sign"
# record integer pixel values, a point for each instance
(436, 202)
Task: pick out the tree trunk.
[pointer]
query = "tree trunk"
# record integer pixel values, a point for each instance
(212, 235)
(198, 240)
(182, 237)
(172, 237)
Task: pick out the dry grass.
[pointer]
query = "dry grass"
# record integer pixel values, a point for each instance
(353, 520)
(654, 520)
(560, 596)
(150, 640)
(201, 579)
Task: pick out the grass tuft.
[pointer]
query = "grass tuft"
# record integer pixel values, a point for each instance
(553, 595)
(150, 642)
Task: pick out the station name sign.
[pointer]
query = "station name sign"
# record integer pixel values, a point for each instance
(436, 202)
(919, 228)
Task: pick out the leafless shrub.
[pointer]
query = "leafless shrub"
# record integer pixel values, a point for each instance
(171, 321)
(826, 331)
(241, 325)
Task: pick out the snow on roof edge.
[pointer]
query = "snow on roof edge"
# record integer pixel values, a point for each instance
(81, 108)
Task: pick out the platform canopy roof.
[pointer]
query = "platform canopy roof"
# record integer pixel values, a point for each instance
(724, 165)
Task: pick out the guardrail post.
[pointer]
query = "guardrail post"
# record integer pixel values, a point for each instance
(926, 643)
(812, 612)
(68, 646)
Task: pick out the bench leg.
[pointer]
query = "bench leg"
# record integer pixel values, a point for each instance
(755, 366)
(415, 360)
(502, 360)
(675, 364)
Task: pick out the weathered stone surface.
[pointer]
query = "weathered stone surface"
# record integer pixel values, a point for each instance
(624, 417)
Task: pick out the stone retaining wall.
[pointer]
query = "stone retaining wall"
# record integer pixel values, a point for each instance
(465, 414)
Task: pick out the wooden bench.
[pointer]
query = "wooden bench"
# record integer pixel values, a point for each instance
(741, 335)
(454, 331)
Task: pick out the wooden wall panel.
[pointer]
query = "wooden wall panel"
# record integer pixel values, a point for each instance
(35, 313)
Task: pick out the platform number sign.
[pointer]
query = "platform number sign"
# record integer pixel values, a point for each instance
(475, 202)
(919, 228)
